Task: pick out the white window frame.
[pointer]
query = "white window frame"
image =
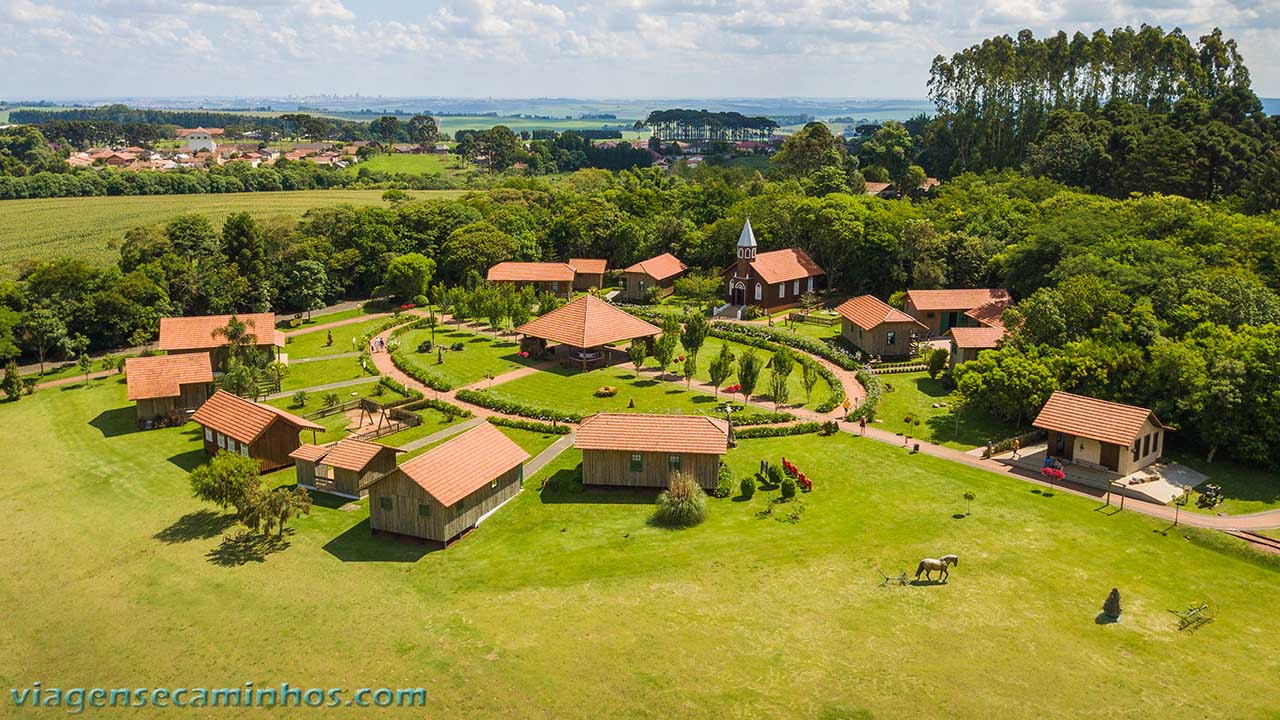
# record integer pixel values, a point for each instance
(222, 441)
(208, 435)
(759, 293)
(244, 450)
(795, 289)
(810, 284)
(782, 290)
(891, 337)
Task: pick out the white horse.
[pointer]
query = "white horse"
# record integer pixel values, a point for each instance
(929, 565)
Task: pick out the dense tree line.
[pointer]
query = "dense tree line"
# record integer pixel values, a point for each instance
(118, 116)
(1128, 111)
(697, 125)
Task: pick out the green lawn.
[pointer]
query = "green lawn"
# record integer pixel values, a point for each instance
(107, 565)
(345, 339)
(480, 354)
(317, 319)
(574, 389)
(912, 395)
(1246, 489)
(322, 372)
(428, 164)
(86, 226)
(432, 421)
(711, 349)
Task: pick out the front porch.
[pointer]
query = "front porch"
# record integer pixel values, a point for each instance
(1161, 482)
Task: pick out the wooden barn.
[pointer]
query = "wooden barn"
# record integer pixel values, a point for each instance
(261, 432)
(197, 334)
(344, 467)
(553, 277)
(588, 273)
(168, 387)
(773, 280)
(876, 328)
(449, 489)
(658, 272)
(635, 450)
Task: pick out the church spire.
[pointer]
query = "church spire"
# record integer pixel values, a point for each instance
(747, 242)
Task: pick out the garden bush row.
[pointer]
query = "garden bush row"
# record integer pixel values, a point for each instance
(426, 377)
(410, 395)
(449, 409)
(761, 418)
(508, 406)
(531, 425)
(874, 388)
(804, 428)
(837, 355)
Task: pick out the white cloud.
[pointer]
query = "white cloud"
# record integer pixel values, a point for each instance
(553, 47)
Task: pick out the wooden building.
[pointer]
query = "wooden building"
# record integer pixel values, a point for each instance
(555, 278)
(1108, 435)
(344, 467)
(168, 387)
(771, 280)
(876, 328)
(262, 432)
(657, 272)
(967, 342)
(635, 450)
(449, 489)
(582, 328)
(197, 334)
(941, 310)
(588, 273)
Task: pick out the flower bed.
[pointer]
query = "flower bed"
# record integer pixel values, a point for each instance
(531, 425)
(486, 399)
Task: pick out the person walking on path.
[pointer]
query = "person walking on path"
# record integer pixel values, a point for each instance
(1017, 447)
(862, 424)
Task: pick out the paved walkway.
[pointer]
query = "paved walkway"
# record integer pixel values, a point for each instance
(442, 434)
(322, 388)
(539, 461)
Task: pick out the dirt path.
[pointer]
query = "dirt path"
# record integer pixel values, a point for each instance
(75, 379)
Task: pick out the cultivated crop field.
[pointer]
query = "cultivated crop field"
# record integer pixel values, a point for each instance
(87, 226)
(568, 603)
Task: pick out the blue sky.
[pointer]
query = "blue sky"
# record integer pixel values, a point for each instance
(564, 48)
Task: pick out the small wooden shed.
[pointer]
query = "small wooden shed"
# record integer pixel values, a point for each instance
(344, 467)
(637, 450)
(262, 432)
(588, 273)
(165, 386)
(658, 272)
(449, 489)
(877, 328)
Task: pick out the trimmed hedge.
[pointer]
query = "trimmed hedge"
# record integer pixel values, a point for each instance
(761, 418)
(486, 399)
(410, 395)
(874, 388)
(448, 408)
(804, 428)
(839, 356)
(430, 379)
(531, 425)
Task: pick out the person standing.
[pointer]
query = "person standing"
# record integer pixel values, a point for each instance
(862, 424)
(1017, 447)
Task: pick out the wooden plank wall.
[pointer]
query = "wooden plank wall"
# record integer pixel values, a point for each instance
(613, 467)
(442, 524)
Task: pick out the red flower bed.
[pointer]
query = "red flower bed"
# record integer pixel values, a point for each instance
(1053, 473)
(790, 469)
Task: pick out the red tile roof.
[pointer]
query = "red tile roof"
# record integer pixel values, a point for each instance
(589, 266)
(160, 376)
(635, 432)
(586, 323)
(659, 267)
(782, 265)
(243, 420)
(183, 132)
(955, 299)
(196, 332)
(347, 453)
(1095, 419)
(452, 471)
(982, 338)
(875, 188)
(868, 312)
(990, 314)
(531, 272)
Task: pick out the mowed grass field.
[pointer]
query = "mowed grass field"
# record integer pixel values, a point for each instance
(569, 604)
(429, 164)
(86, 227)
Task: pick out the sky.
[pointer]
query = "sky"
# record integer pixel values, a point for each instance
(550, 48)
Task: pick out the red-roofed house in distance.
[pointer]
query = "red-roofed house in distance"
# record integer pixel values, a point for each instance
(1108, 435)
(967, 342)
(553, 277)
(771, 280)
(659, 272)
(345, 467)
(199, 333)
(941, 310)
(635, 450)
(449, 489)
(262, 432)
(876, 328)
(588, 273)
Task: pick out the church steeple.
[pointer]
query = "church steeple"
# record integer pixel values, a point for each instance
(747, 243)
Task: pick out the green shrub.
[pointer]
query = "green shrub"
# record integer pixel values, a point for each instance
(530, 425)
(409, 394)
(830, 427)
(747, 487)
(937, 362)
(682, 504)
(605, 391)
(448, 409)
(744, 419)
(724, 482)
(775, 474)
(788, 487)
(430, 379)
(299, 399)
(331, 400)
(486, 399)
(804, 428)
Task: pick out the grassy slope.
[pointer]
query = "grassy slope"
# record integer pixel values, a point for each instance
(568, 604)
(47, 228)
(482, 353)
(913, 394)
